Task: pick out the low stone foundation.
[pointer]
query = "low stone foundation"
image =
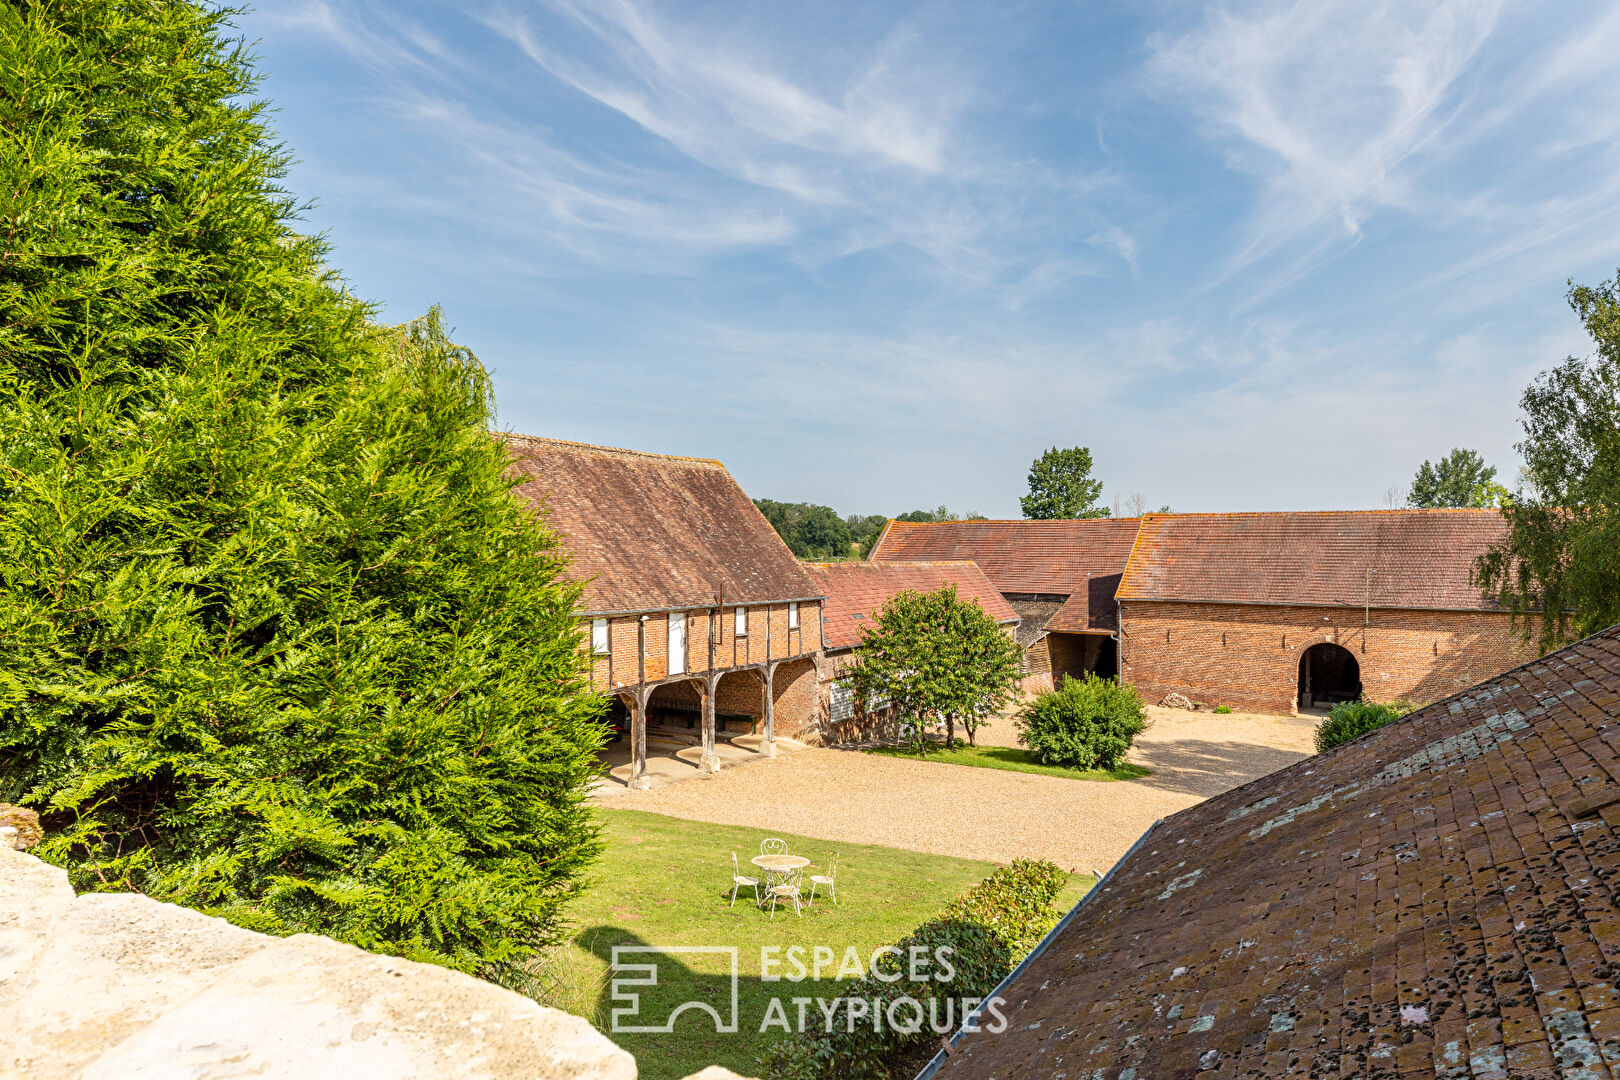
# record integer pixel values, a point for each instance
(116, 985)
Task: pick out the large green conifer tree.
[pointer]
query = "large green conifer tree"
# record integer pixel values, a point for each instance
(276, 640)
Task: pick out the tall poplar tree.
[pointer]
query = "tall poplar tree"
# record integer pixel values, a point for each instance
(276, 640)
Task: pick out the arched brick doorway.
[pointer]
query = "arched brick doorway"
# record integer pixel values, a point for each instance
(1328, 674)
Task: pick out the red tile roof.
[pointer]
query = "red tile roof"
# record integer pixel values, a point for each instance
(1416, 558)
(654, 532)
(1090, 607)
(1028, 557)
(857, 590)
(1434, 899)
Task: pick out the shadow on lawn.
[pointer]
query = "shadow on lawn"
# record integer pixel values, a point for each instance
(689, 993)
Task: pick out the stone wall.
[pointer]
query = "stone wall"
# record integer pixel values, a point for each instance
(109, 986)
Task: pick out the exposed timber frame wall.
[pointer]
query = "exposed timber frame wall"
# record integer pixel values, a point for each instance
(636, 662)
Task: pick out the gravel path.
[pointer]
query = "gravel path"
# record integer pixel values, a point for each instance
(988, 813)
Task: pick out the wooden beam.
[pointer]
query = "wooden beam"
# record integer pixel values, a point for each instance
(767, 745)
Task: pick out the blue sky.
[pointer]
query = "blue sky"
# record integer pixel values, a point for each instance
(881, 256)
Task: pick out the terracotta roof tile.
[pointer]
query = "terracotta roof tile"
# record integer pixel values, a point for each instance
(1027, 557)
(652, 532)
(1416, 558)
(1436, 898)
(1090, 607)
(856, 590)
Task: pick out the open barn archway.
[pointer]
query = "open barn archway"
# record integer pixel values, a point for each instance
(1328, 674)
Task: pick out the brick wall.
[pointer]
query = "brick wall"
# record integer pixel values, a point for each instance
(1247, 656)
(796, 707)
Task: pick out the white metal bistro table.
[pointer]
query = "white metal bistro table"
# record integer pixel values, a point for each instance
(777, 867)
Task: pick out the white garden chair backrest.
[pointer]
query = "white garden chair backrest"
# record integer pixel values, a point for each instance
(773, 846)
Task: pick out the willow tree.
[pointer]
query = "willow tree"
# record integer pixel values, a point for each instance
(276, 640)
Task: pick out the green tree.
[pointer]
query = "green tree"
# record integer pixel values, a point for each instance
(938, 513)
(1061, 486)
(864, 531)
(936, 659)
(276, 640)
(1460, 479)
(810, 531)
(1561, 558)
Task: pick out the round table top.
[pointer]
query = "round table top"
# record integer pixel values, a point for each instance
(779, 862)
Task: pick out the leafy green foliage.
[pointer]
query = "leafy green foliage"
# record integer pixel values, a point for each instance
(1558, 570)
(988, 929)
(1061, 486)
(864, 531)
(940, 513)
(809, 531)
(936, 659)
(1086, 723)
(1014, 904)
(1352, 718)
(276, 641)
(1222, 709)
(1460, 479)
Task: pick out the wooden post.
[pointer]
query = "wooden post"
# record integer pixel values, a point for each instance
(767, 745)
(710, 761)
(639, 780)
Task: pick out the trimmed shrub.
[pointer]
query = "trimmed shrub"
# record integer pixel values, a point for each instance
(277, 642)
(1086, 723)
(1012, 905)
(1352, 718)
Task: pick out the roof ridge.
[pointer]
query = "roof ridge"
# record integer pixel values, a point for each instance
(895, 562)
(1016, 521)
(511, 436)
(1323, 513)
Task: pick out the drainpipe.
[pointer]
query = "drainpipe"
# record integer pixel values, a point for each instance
(1052, 935)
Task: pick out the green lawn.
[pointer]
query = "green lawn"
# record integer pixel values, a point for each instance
(1004, 757)
(664, 881)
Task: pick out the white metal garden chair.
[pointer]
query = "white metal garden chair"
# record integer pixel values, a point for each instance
(738, 881)
(773, 846)
(829, 879)
(787, 888)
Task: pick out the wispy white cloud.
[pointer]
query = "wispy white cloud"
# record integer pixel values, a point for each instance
(1329, 103)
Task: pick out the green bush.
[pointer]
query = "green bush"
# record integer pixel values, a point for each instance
(276, 640)
(1084, 724)
(1014, 903)
(1223, 708)
(988, 929)
(1352, 718)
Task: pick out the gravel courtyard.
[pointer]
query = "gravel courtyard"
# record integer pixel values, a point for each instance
(989, 813)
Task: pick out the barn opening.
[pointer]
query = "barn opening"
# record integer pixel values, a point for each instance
(1328, 674)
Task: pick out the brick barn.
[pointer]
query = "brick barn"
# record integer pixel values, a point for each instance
(855, 592)
(1270, 612)
(702, 624)
(1059, 576)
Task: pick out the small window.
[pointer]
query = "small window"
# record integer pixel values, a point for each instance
(740, 625)
(793, 616)
(599, 640)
